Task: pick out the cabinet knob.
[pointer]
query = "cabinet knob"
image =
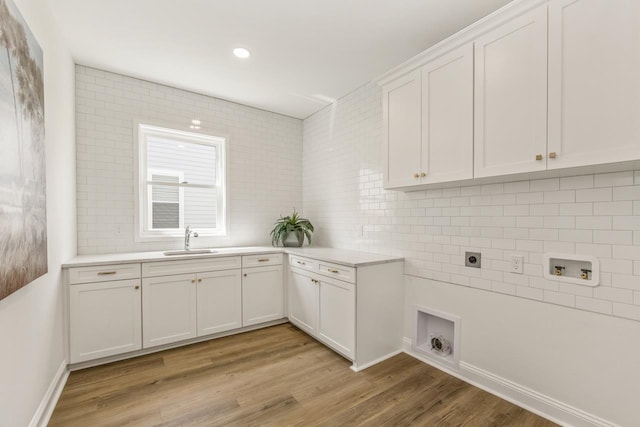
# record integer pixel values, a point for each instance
(538, 156)
(136, 287)
(245, 274)
(193, 280)
(416, 175)
(423, 174)
(199, 280)
(552, 155)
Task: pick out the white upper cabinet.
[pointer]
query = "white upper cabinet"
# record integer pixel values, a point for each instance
(594, 82)
(402, 129)
(511, 97)
(447, 117)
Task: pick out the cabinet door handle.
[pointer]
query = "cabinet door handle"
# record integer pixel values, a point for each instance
(199, 280)
(245, 274)
(552, 155)
(332, 270)
(538, 156)
(416, 175)
(263, 260)
(193, 280)
(422, 175)
(136, 287)
(106, 273)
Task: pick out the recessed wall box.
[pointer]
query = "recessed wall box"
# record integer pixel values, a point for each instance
(437, 336)
(570, 268)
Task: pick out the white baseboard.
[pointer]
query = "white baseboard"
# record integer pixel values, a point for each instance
(531, 400)
(364, 366)
(50, 399)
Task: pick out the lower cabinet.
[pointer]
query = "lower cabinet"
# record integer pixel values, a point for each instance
(336, 315)
(303, 300)
(262, 294)
(324, 308)
(169, 309)
(355, 310)
(219, 301)
(104, 319)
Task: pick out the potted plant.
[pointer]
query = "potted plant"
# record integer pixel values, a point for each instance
(290, 230)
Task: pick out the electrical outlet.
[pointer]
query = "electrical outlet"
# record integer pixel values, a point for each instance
(517, 264)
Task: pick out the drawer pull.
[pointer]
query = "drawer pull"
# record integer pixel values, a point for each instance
(332, 270)
(263, 260)
(106, 273)
(314, 281)
(301, 263)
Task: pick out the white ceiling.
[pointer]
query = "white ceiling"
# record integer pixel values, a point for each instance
(304, 52)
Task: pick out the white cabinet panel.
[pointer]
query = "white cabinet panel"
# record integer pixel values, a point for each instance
(262, 294)
(185, 266)
(336, 315)
(594, 84)
(103, 273)
(168, 309)
(447, 117)
(261, 260)
(511, 97)
(219, 301)
(402, 130)
(104, 319)
(303, 300)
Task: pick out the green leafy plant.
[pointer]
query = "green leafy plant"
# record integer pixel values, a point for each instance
(293, 223)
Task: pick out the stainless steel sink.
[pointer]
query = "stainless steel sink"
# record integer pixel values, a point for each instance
(190, 252)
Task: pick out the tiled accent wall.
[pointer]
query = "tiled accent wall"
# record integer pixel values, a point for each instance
(596, 215)
(264, 169)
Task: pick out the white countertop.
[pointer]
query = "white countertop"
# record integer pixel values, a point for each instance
(342, 256)
(337, 256)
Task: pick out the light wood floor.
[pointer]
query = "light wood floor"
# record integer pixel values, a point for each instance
(276, 376)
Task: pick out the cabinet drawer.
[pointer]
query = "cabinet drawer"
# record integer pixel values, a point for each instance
(336, 271)
(103, 273)
(303, 263)
(261, 260)
(162, 268)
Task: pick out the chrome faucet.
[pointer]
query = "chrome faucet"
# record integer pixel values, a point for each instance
(187, 237)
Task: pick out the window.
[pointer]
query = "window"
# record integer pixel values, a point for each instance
(181, 182)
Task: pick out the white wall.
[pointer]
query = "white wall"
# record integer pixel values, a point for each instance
(31, 318)
(264, 151)
(593, 214)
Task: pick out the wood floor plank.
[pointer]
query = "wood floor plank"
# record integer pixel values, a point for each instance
(276, 376)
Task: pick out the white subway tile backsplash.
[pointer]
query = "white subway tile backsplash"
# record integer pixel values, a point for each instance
(107, 105)
(614, 179)
(596, 215)
(594, 195)
(576, 182)
(613, 208)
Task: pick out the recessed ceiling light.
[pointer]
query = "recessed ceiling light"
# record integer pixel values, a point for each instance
(241, 52)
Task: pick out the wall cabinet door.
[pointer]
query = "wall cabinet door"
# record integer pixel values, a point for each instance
(104, 319)
(511, 97)
(402, 130)
(219, 296)
(303, 300)
(262, 294)
(168, 309)
(447, 117)
(594, 88)
(336, 315)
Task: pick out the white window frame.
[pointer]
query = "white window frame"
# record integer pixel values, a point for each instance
(143, 230)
